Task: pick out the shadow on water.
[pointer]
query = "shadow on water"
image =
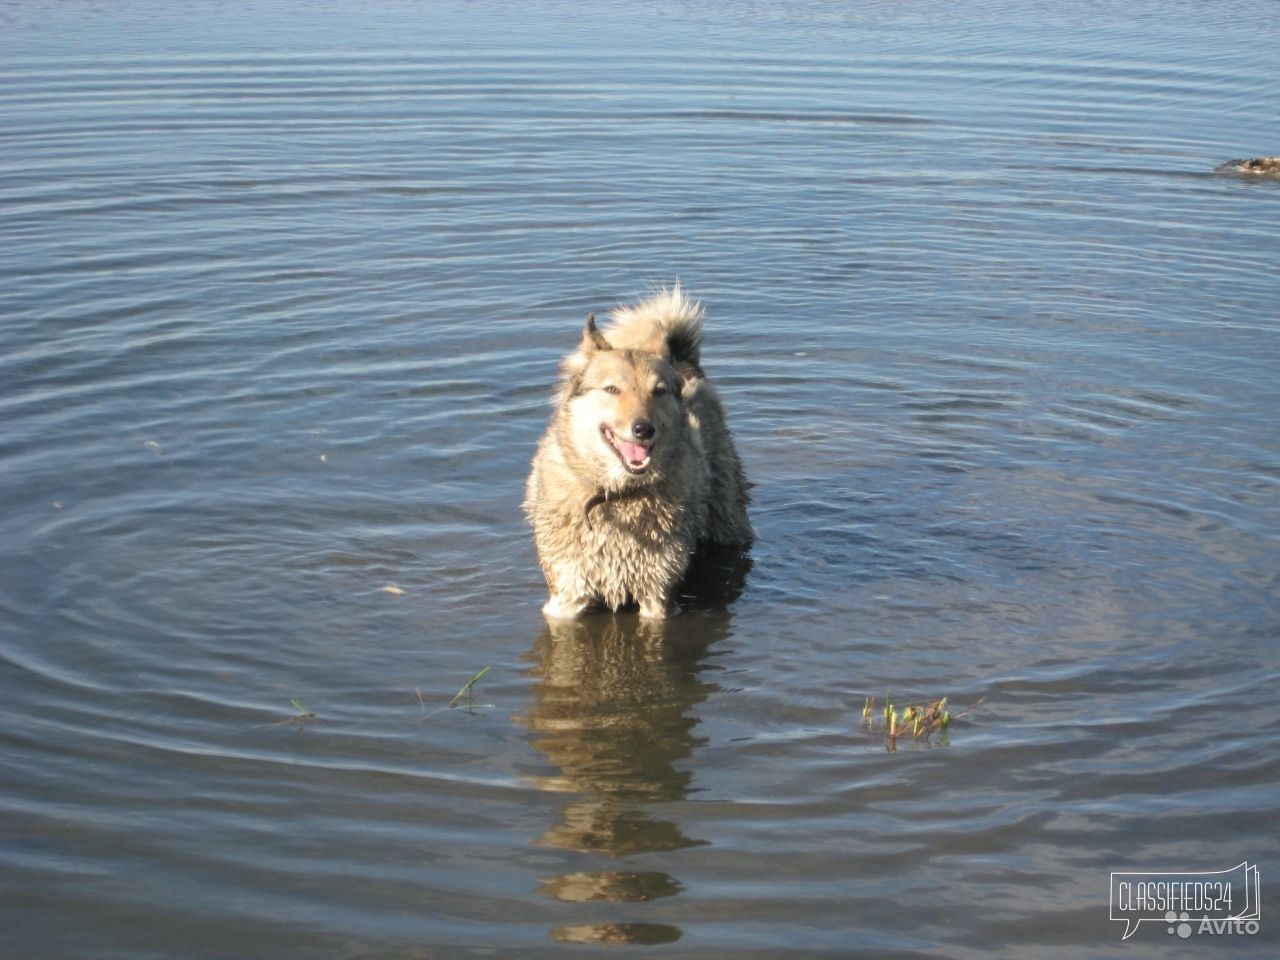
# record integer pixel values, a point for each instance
(612, 712)
(716, 577)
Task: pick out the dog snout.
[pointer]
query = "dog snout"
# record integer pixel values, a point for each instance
(643, 430)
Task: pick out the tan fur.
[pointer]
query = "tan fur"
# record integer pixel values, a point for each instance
(610, 534)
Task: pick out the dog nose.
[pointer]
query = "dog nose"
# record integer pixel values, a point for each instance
(643, 430)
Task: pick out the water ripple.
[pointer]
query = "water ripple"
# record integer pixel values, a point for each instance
(283, 306)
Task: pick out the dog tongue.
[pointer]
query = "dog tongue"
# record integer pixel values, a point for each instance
(632, 452)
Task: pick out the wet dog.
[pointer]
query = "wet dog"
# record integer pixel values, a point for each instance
(637, 468)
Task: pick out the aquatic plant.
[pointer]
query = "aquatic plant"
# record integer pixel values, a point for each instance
(467, 689)
(301, 717)
(919, 720)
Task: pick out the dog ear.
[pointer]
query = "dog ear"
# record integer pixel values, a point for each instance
(575, 364)
(592, 338)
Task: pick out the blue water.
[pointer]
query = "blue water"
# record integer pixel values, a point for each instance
(284, 287)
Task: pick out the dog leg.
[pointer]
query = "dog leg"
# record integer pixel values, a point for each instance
(654, 608)
(563, 606)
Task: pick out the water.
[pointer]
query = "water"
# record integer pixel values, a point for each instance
(284, 291)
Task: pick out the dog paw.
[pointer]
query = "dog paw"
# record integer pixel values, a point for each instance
(559, 608)
(654, 610)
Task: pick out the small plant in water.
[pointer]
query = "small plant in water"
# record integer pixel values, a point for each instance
(301, 717)
(467, 693)
(920, 721)
(467, 689)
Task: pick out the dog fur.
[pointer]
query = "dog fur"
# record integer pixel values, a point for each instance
(637, 468)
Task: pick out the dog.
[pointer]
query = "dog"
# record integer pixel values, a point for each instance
(637, 468)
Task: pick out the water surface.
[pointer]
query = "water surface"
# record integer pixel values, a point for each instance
(284, 291)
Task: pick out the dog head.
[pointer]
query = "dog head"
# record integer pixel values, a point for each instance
(621, 410)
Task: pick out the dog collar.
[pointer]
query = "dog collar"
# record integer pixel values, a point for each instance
(604, 496)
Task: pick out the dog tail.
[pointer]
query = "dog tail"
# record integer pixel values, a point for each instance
(668, 323)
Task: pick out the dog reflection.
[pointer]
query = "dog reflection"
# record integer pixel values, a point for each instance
(612, 713)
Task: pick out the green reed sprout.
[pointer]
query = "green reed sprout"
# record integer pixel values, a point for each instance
(299, 719)
(922, 720)
(467, 689)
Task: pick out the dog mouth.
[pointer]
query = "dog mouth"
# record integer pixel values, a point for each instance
(634, 456)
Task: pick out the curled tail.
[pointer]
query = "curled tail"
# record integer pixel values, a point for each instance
(667, 323)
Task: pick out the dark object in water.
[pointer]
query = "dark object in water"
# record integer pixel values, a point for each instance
(1254, 166)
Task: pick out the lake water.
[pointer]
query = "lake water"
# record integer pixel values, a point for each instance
(284, 289)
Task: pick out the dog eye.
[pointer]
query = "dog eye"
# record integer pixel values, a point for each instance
(611, 389)
(659, 389)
